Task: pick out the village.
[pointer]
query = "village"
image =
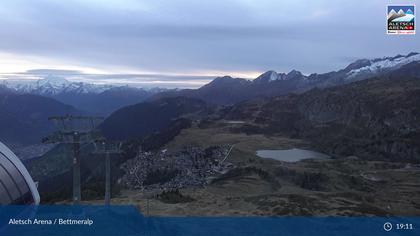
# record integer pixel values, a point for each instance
(167, 171)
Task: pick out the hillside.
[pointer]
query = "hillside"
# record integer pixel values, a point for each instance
(369, 129)
(146, 118)
(24, 118)
(106, 102)
(376, 118)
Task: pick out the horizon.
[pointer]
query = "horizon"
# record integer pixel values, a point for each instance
(146, 81)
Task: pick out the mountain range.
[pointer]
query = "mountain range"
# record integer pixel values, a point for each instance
(227, 90)
(93, 98)
(104, 99)
(157, 113)
(135, 112)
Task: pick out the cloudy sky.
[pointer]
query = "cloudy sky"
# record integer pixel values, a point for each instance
(185, 43)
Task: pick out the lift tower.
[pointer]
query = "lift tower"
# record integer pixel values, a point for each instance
(75, 130)
(107, 149)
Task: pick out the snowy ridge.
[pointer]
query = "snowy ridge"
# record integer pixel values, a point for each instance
(384, 64)
(52, 85)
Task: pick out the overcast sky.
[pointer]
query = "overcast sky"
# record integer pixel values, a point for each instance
(188, 42)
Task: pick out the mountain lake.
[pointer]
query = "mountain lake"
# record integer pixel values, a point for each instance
(291, 155)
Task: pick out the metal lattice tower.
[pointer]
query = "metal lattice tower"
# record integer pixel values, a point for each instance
(107, 149)
(75, 130)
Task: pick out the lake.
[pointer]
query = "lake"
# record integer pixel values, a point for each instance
(235, 122)
(291, 155)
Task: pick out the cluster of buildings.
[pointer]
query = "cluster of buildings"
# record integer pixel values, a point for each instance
(165, 171)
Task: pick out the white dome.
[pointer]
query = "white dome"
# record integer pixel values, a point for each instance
(16, 185)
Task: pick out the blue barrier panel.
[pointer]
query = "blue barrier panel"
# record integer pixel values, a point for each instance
(127, 220)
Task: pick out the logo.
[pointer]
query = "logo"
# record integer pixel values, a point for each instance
(401, 19)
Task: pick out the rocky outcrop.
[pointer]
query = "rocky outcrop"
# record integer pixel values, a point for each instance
(374, 118)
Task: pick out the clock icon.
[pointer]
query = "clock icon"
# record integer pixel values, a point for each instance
(387, 226)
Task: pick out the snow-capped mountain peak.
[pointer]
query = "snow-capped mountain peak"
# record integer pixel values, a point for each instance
(267, 77)
(272, 75)
(51, 85)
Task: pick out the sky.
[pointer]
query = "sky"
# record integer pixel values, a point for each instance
(180, 43)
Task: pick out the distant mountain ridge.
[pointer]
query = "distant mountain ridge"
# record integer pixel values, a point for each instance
(92, 98)
(53, 85)
(227, 90)
(105, 99)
